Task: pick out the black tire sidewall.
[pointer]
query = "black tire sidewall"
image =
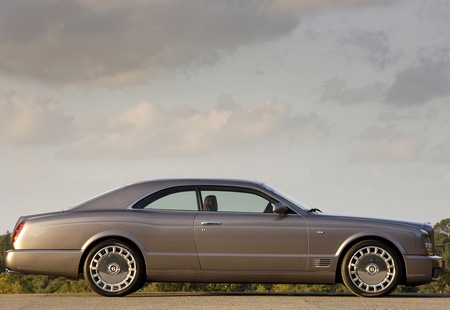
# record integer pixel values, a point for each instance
(355, 248)
(137, 281)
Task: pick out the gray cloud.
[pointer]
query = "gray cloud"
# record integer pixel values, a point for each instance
(416, 115)
(424, 81)
(121, 43)
(335, 89)
(373, 46)
(427, 79)
(437, 10)
(441, 152)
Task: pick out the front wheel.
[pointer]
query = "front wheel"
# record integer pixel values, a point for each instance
(371, 268)
(113, 268)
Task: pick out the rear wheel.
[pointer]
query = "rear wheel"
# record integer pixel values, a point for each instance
(113, 268)
(371, 268)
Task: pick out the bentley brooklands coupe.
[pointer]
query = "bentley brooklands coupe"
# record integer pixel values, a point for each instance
(228, 231)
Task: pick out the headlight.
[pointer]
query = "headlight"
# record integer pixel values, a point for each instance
(428, 243)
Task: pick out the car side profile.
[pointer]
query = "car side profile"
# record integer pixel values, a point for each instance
(217, 230)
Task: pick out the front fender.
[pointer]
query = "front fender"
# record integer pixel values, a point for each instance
(375, 235)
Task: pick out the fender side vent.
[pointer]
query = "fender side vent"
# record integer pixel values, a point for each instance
(322, 262)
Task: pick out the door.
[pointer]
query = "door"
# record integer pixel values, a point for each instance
(241, 236)
(168, 232)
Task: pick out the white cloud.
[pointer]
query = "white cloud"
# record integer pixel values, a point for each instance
(386, 144)
(33, 121)
(150, 130)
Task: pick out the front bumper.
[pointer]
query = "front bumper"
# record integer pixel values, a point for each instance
(423, 269)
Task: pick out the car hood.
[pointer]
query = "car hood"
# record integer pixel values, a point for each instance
(375, 221)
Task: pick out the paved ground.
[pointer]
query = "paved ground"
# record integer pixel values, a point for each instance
(224, 301)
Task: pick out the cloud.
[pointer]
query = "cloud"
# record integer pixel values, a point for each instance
(415, 115)
(33, 121)
(424, 81)
(441, 152)
(335, 89)
(427, 79)
(438, 10)
(386, 144)
(372, 46)
(315, 5)
(119, 43)
(112, 43)
(150, 130)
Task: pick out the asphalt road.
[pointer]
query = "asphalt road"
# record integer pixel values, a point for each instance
(224, 301)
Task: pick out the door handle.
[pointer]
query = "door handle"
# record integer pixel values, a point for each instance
(212, 223)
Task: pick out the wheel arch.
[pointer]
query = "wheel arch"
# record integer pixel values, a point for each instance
(346, 247)
(112, 235)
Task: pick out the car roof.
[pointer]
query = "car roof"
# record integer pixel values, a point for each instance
(120, 198)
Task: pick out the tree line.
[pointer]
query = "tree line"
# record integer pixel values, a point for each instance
(30, 284)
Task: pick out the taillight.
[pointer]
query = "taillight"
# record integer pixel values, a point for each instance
(17, 232)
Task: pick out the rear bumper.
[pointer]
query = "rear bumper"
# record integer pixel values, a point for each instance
(64, 263)
(423, 269)
(8, 271)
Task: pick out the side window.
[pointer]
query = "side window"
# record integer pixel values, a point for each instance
(185, 200)
(234, 201)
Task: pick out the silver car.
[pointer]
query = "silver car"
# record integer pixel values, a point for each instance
(203, 230)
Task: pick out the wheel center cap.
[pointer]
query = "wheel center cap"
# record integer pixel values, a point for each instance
(113, 269)
(372, 269)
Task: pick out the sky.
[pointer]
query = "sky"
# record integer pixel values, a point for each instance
(344, 105)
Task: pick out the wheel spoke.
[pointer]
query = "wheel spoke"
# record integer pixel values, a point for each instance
(371, 269)
(113, 268)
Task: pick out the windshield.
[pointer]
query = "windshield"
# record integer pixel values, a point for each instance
(299, 204)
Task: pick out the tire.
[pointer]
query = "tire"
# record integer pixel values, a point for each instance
(371, 268)
(113, 269)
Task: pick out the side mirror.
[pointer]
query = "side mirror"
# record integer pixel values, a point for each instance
(279, 208)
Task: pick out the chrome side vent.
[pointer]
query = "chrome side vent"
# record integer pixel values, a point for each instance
(322, 262)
